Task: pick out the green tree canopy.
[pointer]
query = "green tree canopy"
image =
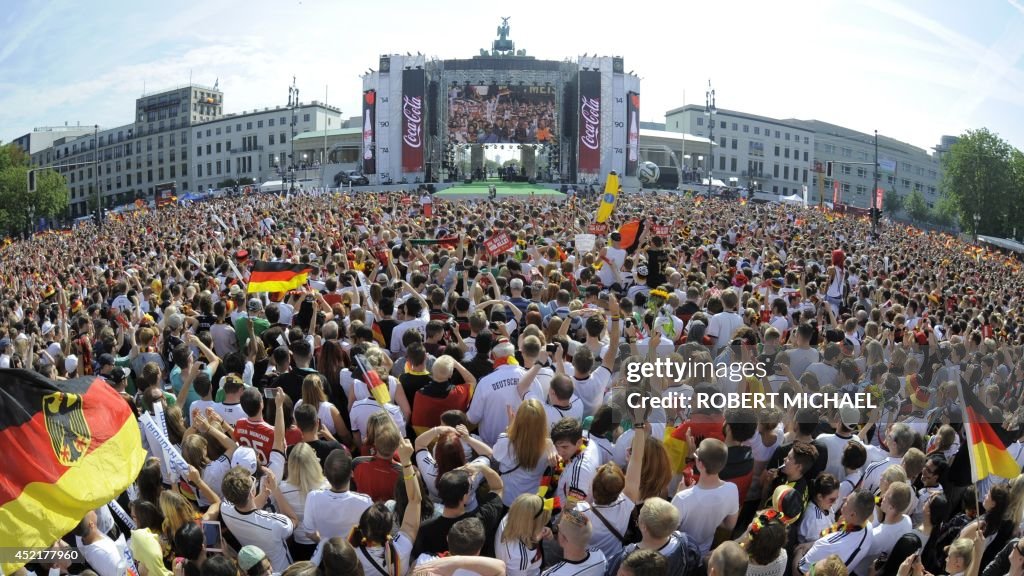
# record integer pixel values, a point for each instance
(978, 178)
(19, 208)
(892, 202)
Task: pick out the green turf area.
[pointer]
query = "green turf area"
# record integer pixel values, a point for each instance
(504, 189)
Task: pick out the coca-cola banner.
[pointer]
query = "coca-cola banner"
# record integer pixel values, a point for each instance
(413, 89)
(632, 132)
(590, 121)
(369, 122)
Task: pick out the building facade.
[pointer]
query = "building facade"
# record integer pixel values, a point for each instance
(750, 151)
(902, 167)
(259, 144)
(118, 165)
(42, 138)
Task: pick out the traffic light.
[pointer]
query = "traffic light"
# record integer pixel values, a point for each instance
(828, 169)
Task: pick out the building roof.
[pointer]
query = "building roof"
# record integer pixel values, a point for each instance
(648, 133)
(736, 114)
(329, 133)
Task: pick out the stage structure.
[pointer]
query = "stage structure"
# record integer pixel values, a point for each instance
(431, 120)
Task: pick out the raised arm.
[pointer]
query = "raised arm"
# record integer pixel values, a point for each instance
(636, 460)
(411, 519)
(613, 334)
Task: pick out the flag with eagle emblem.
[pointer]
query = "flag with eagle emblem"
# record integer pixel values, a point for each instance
(69, 446)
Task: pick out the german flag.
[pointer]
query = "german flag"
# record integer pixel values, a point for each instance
(986, 448)
(69, 447)
(277, 276)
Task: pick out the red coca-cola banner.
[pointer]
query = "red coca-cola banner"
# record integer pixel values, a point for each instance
(590, 122)
(369, 132)
(413, 109)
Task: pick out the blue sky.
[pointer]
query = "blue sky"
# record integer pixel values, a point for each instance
(912, 69)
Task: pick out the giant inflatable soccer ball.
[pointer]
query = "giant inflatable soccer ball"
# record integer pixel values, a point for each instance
(648, 172)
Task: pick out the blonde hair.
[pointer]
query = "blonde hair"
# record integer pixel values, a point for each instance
(304, 471)
(313, 391)
(525, 519)
(913, 462)
(443, 369)
(177, 511)
(375, 423)
(193, 450)
(659, 516)
(528, 433)
(386, 438)
(962, 548)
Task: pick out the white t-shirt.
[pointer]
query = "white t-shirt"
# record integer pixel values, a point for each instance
(494, 394)
(851, 547)
(616, 257)
(883, 538)
(578, 476)
(702, 510)
(266, 530)
(428, 469)
(231, 413)
(620, 452)
(294, 498)
(617, 514)
(556, 413)
(105, 556)
(722, 326)
(592, 565)
(213, 476)
(519, 559)
(836, 445)
(418, 324)
(374, 563)
(592, 389)
(516, 479)
(800, 359)
(873, 473)
(333, 513)
(363, 409)
(813, 521)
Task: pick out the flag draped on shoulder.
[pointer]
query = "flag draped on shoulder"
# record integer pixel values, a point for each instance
(69, 447)
(277, 276)
(986, 448)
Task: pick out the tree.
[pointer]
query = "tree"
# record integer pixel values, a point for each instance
(916, 206)
(978, 178)
(19, 208)
(892, 202)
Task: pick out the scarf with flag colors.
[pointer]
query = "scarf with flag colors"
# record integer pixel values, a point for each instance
(277, 276)
(77, 447)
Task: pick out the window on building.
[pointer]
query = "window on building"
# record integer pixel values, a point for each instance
(732, 164)
(199, 151)
(775, 189)
(785, 172)
(149, 175)
(777, 150)
(787, 135)
(207, 132)
(805, 156)
(746, 127)
(305, 118)
(259, 123)
(805, 176)
(700, 121)
(282, 138)
(199, 170)
(184, 172)
(846, 170)
(807, 140)
(271, 138)
(757, 130)
(248, 125)
(735, 144)
(775, 171)
(722, 142)
(160, 174)
(721, 124)
(218, 147)
(785, 153)
(734, 127)
(270, 122)
(721, 163)
(227, 129)
(777, 135)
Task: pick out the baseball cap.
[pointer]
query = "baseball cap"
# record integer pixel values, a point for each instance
(246, 458)
(850, 417)
(254, 305)
(250, 556)
(106, 359)
(118, 374)
(641, 270)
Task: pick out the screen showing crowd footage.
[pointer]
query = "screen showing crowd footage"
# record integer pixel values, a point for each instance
(498, 114)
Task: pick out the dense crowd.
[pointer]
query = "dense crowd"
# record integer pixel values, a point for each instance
(505, 441)
(490, 115)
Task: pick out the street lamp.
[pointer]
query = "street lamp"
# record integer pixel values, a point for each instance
(977, 221)
(710, 110)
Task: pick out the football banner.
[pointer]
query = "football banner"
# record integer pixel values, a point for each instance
(413, 88)
(69, 447)
(498, 244)
(277, 276)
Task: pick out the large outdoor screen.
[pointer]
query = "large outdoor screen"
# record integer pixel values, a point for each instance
(498, 113)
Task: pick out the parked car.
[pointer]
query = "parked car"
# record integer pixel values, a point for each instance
(353, 177)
